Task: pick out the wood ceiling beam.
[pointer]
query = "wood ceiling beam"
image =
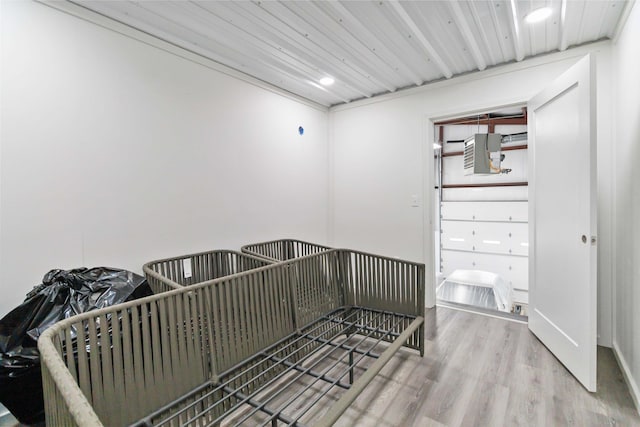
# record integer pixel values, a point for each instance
(469, 39)
(484, 120)
(489, 184)
(487, 121)
(508, 148)
(404, 16)
(515, 30)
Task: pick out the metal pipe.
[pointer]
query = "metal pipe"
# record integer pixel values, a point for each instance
(351, 365)
(314, 374)
(237, 376)
(269, 383)
(341, 405)
(265, 409)
(300, 375)
(347, 347)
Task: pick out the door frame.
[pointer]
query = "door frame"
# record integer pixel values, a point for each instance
(428, 190)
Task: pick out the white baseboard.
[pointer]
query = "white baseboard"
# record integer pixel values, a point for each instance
(626, 372)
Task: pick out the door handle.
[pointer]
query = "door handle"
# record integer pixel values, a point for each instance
(584, 239)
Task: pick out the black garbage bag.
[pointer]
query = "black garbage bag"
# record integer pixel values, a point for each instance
(62, 294)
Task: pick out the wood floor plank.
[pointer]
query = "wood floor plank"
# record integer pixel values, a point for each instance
(488, 406)
(447, 400)
(525, 409)
(482, 371)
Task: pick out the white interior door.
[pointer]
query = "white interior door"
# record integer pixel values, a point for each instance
(562, 225)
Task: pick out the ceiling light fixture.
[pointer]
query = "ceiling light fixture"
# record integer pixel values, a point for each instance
(538, 15)
(326, 81)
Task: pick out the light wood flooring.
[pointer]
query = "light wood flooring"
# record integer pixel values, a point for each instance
(483, 371)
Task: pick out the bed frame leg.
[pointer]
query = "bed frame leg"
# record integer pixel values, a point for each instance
(351, 367)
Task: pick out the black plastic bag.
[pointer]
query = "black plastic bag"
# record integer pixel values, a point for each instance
(62, 294)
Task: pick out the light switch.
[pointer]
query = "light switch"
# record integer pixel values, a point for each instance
(414, 201)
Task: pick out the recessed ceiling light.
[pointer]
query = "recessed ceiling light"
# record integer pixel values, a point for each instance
(538, 15)
(326, 81)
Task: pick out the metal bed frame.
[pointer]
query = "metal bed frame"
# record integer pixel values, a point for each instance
(283, 249)
(261, 347)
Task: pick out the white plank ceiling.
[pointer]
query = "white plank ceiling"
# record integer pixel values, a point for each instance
(368, 47)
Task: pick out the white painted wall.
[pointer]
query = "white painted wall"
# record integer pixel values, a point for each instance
(382, 151)
(626, 341)
(114, 152)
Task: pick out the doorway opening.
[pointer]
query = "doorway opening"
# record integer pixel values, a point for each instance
(481, 201)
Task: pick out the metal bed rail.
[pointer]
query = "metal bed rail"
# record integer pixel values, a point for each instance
(127, 360)
(273, 387)
(187, 270)
(283, 249)
(117, 365)
(385, 283)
